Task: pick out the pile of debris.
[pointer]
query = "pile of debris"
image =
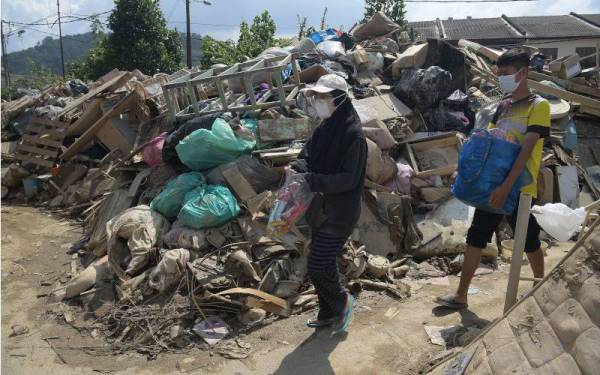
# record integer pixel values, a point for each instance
(173, 177)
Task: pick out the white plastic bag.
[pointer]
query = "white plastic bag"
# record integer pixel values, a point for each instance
(331, 48)
(558, 220)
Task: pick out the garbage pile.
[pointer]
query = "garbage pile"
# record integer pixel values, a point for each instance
(175, 177)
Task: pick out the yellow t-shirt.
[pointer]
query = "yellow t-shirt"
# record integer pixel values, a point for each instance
(530, 114)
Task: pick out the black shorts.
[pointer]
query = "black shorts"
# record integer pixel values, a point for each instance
(485, 223)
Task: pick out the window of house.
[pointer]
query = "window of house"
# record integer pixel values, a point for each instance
(586, 51)
(550, 53)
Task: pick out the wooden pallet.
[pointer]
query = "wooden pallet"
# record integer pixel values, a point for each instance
(41, 143)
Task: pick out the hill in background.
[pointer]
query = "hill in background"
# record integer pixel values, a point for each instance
(47, 52)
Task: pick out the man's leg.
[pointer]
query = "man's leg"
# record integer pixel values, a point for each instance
(470, 264)
(480, 233)
(536, 260)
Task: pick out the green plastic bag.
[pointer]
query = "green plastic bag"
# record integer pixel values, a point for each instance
(204, 149)
(208, 207)
(170, 200)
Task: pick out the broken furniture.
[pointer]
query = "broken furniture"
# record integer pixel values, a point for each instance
(435, 156)
(41, 143)
(183, 94)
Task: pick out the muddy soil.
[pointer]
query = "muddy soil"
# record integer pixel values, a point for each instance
(386, 336)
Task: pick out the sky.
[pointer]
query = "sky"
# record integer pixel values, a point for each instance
(221, 19)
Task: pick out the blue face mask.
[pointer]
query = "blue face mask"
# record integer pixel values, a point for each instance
(508, 83)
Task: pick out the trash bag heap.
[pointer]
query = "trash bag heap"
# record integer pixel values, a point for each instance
(175, 177)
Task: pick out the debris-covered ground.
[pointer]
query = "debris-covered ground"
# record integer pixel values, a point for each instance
(386, 336)
(165, 187)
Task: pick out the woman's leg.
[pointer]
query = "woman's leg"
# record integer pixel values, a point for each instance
(324, 274)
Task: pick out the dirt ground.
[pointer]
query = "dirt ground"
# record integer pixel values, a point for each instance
(34, 250)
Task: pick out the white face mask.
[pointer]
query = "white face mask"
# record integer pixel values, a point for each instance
(323, 107)
(508, 83)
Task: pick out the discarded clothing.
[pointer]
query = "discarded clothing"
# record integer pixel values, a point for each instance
(143, 228)
(324, 274)
(169, 270)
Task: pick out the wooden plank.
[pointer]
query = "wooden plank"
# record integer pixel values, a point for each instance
(429, 147)
(29, 159)
(41, 130)
(52, 123)
(564, 94)
(89, 117)
(240, 186)
(120, 107)
(37, 150)
(567, 84)
(285, 129)
(41, 141)
(119, 79)
(382, 107)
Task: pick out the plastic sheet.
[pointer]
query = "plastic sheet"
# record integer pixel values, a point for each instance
(331, 48)
(204, 149)
(208, 207)
(558, 220)
(484, 162)
(293, 199)
(170, 200)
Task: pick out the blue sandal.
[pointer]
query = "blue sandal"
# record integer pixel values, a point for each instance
(342, 326)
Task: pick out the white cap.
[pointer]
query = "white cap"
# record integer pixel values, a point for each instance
(327, 84)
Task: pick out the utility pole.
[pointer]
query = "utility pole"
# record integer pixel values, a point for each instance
(189, 34)
(62, 54)
(4, 58)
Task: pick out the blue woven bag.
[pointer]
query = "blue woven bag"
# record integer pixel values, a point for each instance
(484, 163)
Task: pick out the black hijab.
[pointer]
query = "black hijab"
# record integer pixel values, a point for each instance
(333, 136)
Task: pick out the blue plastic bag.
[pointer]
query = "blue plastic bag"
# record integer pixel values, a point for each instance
(323, 35)
(484, 163)
(204, 149)
(208, 207)
(170, 200)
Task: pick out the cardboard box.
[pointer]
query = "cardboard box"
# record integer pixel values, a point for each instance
(566, 67)
(413, 57)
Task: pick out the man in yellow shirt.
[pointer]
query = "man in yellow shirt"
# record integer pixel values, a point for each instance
(526, 117)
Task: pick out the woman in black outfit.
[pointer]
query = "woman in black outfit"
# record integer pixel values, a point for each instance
(333, 162)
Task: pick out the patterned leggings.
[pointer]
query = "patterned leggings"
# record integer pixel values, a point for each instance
(324, 274)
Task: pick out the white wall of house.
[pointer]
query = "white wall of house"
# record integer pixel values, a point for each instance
(566, 47)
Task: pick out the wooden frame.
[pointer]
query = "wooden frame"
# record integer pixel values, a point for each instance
(413, 149)
(42, 142)
(182, 94)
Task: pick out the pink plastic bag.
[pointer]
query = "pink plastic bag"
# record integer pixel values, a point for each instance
(152, 153)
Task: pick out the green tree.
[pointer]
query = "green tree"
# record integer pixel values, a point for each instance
(217, 52)
(139, 40)
(394, 9)
(258, 37)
